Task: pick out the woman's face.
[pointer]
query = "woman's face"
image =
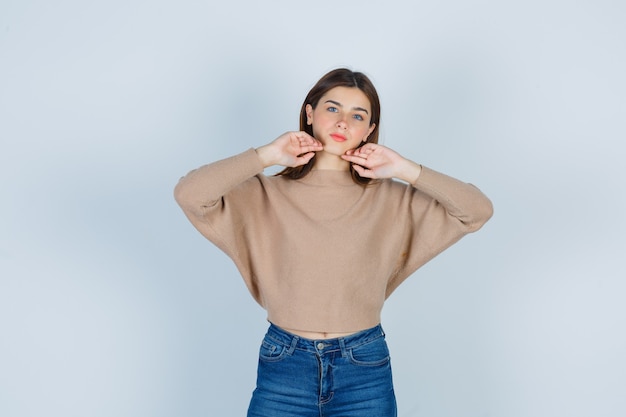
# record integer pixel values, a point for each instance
(341, 120)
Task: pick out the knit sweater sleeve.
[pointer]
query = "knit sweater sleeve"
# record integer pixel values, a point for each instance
(462, 201)
(213, 200)
(443, 210)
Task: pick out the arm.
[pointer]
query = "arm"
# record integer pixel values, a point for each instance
(205, 187)
(460, 200)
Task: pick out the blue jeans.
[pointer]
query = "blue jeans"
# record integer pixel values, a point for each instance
(348, 376)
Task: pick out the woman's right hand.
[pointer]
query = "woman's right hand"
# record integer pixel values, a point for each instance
(290, 149)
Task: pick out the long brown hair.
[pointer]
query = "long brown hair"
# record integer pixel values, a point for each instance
(341, 77)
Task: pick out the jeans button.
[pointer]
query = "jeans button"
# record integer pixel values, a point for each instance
(320, 346)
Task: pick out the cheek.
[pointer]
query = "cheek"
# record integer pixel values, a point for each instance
(319, 121)
(361, 131)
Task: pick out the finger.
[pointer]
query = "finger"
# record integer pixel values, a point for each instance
(304, 159)
(357, 159)
(312, 143)
(305, 136)
(311, 147)
(363, 172)
(364, 152)
(370, 147)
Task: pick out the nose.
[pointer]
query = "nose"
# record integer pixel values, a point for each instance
(342, 123)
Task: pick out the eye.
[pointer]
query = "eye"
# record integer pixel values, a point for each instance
(332, 109)
(358, 117)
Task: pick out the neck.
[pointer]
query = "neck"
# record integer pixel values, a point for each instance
(325, 160)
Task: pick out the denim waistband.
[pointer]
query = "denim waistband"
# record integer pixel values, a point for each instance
(294, 341)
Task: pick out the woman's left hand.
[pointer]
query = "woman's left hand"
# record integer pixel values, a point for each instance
(377, 161)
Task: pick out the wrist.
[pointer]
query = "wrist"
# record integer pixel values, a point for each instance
(265, 154)
(409, 171)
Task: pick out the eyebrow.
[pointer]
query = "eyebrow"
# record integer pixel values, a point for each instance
(341, 105)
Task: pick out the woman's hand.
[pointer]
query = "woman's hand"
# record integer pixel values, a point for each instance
(290, 149)
(377, 161)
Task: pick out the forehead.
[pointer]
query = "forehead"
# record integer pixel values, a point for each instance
(348, 97)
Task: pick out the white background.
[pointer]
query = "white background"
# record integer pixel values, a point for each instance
(111, 304)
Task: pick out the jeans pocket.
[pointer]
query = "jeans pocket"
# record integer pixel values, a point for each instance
(374, 353)
(271, 350)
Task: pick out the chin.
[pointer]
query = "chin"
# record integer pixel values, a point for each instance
(335, 150)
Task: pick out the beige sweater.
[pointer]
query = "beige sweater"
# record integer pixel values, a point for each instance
(322, 253)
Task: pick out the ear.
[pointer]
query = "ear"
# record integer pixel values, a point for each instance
(309, 114)
(369, 131)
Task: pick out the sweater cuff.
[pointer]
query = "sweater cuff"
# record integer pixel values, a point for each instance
(449, 191)
(250, 160)
(462, 200)
(426, 177)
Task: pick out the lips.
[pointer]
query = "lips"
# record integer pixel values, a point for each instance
(338, 137)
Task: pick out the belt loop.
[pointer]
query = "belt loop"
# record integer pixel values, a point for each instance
(294, 342)
(342, 345)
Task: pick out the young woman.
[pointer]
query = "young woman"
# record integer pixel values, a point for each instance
(323, 243)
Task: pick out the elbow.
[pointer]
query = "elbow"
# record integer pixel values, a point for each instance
(185, 198)
(179, 193)
(483, 213)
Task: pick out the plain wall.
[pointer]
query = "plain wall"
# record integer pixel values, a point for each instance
(111, 304)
